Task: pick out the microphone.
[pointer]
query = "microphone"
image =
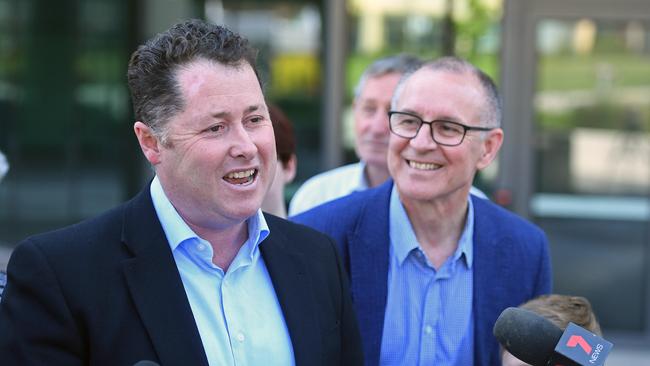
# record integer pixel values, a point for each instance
(538, 342)
(146, 363)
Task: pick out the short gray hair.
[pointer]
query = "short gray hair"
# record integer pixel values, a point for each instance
(493, 113)
(399, 64)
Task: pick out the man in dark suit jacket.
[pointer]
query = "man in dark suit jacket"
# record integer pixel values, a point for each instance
(431, 266)
(189, 272)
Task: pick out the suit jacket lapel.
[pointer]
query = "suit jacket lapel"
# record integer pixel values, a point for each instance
(157, 289)
(487, 263)
(293, 289)
(368, 247)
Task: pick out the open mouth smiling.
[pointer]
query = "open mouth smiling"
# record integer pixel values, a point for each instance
(423, 166)
(242, 177)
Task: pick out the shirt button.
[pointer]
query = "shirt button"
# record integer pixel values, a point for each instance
(241, 337)
(428, 329)
(200, 247)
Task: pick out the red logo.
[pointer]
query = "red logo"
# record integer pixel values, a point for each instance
(577, 340)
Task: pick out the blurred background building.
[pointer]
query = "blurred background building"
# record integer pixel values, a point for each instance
(575, 75)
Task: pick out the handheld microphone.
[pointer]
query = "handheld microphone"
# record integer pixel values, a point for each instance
(536, 341)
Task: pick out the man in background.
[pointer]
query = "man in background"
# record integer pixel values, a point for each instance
(370, 110)
(432, 266)
(190, 271)
(372, 97)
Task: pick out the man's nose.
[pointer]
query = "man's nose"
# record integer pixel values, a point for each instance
(242, 144)
(424, 137)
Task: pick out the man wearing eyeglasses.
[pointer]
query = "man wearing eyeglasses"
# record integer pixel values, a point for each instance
(372, 97)
(371, 103)
(432, 266)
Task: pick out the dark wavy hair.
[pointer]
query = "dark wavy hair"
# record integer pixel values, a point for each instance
(153, 66)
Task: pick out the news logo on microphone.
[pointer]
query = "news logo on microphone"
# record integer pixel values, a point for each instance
(536, 341)
(582, 347)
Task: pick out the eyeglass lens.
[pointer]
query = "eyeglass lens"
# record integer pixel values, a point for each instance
(444, 132)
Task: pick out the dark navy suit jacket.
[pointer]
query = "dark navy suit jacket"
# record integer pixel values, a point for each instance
(107, 292)
(511, 263)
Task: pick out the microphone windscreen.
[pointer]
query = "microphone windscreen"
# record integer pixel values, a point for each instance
(527, 336)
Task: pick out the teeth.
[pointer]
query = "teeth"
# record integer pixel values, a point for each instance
(423, 166)
(240, 175)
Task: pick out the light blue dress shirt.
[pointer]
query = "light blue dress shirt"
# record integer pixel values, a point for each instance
(428, 319)
(237, 313)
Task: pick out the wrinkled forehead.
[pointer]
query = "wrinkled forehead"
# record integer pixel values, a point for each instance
(427, 80)
(210, 89)
(435, 86)
(196, 73)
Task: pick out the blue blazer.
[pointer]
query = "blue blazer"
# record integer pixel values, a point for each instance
(511, 263)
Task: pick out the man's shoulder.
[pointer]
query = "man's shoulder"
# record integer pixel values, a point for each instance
(325, 187)
(341, 176)
(298, 238)
(508, 233)
(290, 229)
(488, 211)
(351, 202)
(343, 213)
(82, 236)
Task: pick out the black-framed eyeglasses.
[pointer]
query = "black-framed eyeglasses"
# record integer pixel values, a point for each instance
(446, 133)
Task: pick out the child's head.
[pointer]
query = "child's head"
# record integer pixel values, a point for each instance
(560, 310)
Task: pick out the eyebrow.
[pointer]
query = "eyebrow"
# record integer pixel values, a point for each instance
(440, 118)
(250, 109)
(409, 111)
(254, 108)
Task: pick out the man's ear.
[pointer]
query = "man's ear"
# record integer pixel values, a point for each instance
(148, 142)
(491, 145)
(290, 169)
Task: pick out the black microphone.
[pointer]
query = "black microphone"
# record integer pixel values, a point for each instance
(538, 342)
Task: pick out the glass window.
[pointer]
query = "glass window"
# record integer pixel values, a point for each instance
(64, 112)
(592, 188)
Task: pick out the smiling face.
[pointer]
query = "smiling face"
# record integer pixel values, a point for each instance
(371, 118)
(424, 170)
(219, 157)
